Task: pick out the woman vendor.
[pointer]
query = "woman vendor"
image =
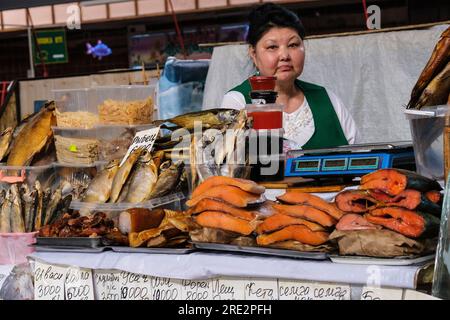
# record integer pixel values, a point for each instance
(313, 117)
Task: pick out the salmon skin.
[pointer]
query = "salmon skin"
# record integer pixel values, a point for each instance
(394, 181)
(352, 221)
(217, 205)
(409, 223)
(220, 220)
(306, 212)
(278, 221)
(298, 197)
(358, 201)
(233, 195)
(409, 199)
(300, 233)
(214, 181)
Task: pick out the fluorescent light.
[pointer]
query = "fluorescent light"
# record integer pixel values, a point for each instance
(97, 2)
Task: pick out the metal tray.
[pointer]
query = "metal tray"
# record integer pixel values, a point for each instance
(152, 250)
(40, 248)
(396, 261)
(81, 242)
(262, 250)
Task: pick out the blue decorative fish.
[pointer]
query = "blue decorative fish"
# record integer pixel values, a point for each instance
(100, 50)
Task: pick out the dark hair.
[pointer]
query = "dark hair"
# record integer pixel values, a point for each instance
(269, 15)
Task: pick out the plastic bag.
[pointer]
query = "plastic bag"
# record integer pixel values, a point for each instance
(19, 285)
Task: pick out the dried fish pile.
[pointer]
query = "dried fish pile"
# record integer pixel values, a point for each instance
(77, 119)
(433, 86)
(143, 176)
(76, 150)
(126, 112)
(27, 209)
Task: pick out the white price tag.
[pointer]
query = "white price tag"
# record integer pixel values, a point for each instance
(261, 289)
(166, 289)
(78, 284)
(107, 284)
(196, 290)
(227, 288)
(307, 290)
(377, 293)
(48, 281)
(416, 295)
(143, 139)
(135, 286)
(5, 270)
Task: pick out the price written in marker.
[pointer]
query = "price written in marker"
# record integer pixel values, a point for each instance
(143, 139)
(228, 288)
(48, 281)
(196, 290)
(306, 290)
(377, 293)
(261, 289)
(135, 286)
(107, 284)
(78, 284)
(166, 289)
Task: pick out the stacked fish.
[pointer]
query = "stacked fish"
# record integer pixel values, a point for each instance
(391, 212)
(301, 222)
(154, 228)
(220, 210)
(433, 86)
(143, 176)
(27, 209)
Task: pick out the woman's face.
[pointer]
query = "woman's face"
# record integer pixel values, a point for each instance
(281, 53)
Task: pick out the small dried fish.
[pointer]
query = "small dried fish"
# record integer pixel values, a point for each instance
(28, 201)
(17, 223)
(5, 225)
(39, 206)
(122, 174)
(99, 189)
(50, 210)
(143, 180)
(5, 141)
(167, 180)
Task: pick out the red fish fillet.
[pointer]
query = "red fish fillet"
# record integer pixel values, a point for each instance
(220, 220)
(233, 195)
(404, 221)
(214, 181)
(217, 205)
(353, 221)
(279, 221)
(357, 201)
(306, 212)
(300, 233)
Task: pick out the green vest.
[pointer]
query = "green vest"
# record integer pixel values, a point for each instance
(328, 131)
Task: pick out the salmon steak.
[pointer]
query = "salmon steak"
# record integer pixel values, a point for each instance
(233, 195)
(208, 204)
(278, 221)
(409, 199)
(299, 233)
(306, 212)
(220, 220)
(353, 221)
(214, 181)
(298, 197)
(357, 201)
(394, 181)
(409, 223)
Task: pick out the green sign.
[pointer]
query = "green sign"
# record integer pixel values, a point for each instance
(52, 45)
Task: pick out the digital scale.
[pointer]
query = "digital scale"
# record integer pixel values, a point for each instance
(352, 160)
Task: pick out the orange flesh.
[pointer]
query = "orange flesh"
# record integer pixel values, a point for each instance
(279, 221)
(355, 201)
(387, 180)
(216, 205)
(233, 195)
(306, 212)
(404, 221)
(245, 185)
(220, 220)
(433, 196)
(300, 233)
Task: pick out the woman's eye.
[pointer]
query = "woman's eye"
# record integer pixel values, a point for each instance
(294, 45)
(272, 47)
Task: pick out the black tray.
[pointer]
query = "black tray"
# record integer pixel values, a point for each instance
(40, 248)
(262, 250)
(80, 242)
(152, 250)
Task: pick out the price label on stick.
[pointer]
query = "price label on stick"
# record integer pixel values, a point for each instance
(143, 139)
(48, 281)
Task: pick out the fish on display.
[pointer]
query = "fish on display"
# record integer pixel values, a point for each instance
(143, 180)
(5, 141)
(168, 179)
(28, 203)
(33, 137)
(51, 207)
(99, 190)
(122, 174)
(5, 225)
(436, 92)
(99, 51)
(17, 223)
(39, 206)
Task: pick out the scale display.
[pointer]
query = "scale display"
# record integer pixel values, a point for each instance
(349, 162)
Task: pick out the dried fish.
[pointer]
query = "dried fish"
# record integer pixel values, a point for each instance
(99, 189)
(5, 225)
(17, 223)
(122, 174)
(143, 180)
(5, 141)
(28, 198)
(167, 179)
(50, 209)
(39, 206)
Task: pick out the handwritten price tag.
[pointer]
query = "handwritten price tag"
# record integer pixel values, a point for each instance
(377, 293)
(261, 289)
(306, 290)
(48, 281)
(78, 284)
(226, 288)
(107, 284)
(166, 289)
(143, 139)
(196, 290)
(135, 286)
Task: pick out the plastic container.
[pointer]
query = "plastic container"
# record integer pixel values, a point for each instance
(262, 83)
(118, 104)
(263, 97)
(76, 146)
(76, 108)
(427, 126)
(29, 175)
(266, 116)
(115, 140)
(15, 247)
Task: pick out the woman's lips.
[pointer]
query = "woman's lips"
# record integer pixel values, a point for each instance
(285, 68)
